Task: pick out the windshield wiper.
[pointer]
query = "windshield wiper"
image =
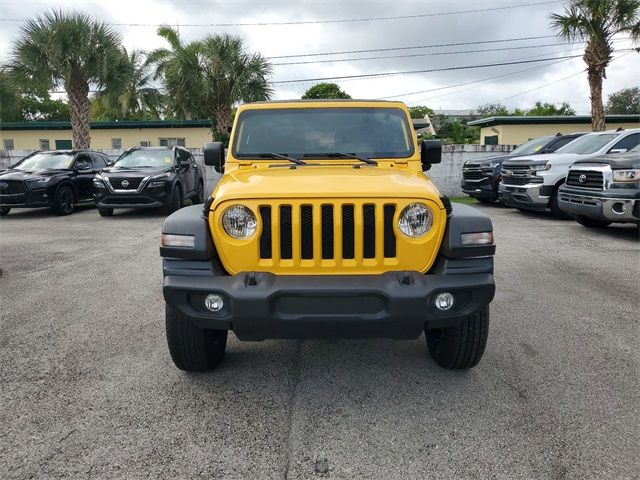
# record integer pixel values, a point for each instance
(277, 156)
(342, 155)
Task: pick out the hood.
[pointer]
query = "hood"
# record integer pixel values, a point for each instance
(325, 182)
(133, 172)
(616, 160)
(545, 157)
(21, 175)
(486, 161)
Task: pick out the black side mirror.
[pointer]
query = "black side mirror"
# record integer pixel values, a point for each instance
(81, 166)
(214, 156)
(430, 153)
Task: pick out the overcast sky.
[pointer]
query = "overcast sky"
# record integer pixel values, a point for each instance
(279, 40)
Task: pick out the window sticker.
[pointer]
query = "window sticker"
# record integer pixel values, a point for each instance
(67, 163)
(167, 159)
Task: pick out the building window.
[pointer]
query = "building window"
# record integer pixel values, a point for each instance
(63, 145)
(171, 142)
(44, 144)
(8, 143)
(145, 143)
(116, 143)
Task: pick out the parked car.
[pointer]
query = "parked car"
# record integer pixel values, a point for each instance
(603, 190)
(532, 182)
(58, 179)
(481, 178)
(314, 231)
(149, 177)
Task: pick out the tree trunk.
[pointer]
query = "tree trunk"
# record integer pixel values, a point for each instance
(79, 108)
(222, 128)
(597, 110)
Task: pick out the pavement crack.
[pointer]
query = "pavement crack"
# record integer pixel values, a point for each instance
(296, 370)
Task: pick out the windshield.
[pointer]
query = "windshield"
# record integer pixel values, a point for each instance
(45, 161)
(366, 132)
(145, 158)
(588, 143)
(532, 146)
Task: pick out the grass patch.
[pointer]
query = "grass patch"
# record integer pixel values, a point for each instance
(465, 200)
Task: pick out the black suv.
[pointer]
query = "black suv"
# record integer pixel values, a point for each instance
(58, 179)
(481, 178)
(149, 177)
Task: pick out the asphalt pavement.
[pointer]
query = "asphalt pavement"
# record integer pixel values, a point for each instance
(88, 389)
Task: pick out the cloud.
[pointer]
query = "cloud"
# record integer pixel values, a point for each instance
(300, 39)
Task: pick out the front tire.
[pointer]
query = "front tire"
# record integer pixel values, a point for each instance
(4, 211)
(193, 349)
(591, 222)
(175, 202)
(462, 346)
(105, 212)
(65, 201)
(555, 208)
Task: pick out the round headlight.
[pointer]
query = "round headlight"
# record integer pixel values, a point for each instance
(415, 220)
(239, 222)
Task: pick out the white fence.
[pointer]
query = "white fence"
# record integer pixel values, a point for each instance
(446, 175)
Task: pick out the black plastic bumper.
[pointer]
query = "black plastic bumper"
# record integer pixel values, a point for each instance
(130, 200)
(396, 305)
(29, 199)
(486, 188)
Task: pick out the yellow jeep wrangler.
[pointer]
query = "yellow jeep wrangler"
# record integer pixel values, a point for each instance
(324, 225)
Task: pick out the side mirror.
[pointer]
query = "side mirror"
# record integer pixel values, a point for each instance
(430, 153)
(214, 156)
(81, 166)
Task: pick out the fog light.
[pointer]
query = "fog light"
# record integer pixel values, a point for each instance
(213, 302)
(618, 208)
(444, 301)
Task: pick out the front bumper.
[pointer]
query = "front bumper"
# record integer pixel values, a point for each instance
(260, 305)
(533, 196)
(29, 199)
(618, 207)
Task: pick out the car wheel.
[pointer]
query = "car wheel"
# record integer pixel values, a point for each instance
(200, 192)
(591, 222)
(193, 349)
(462, 346)
(4, 211)
(486, 200)
(555, 208)
(65, 201)
(105, 212)
(175, 202)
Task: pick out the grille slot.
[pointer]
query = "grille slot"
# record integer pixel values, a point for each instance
(133, 183)
(518, 180)
(348, 232)
(389, 234)
(593, 179)
(327, 232)
(286, 250)
(265, 237)
(369, 231)
(473, 174)
(13, 187)
(306, 232)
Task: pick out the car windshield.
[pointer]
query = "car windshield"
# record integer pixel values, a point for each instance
(587, 144)
(532, 146)
(306, 132)
(45, 161)
(145, 158)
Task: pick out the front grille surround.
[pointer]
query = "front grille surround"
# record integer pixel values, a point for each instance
(13, 187)
(473, 174)
(594, 179)
(116, 183)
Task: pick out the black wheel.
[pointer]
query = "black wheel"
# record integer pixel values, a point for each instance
(65, 201)
(4, 211)
(193, 349)
(199, 198)
(462, 346)
(175, 202)
(591, 222)
(105, 212)
(555, 208)
(486, 200)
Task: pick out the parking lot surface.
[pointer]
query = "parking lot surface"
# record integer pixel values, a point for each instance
(89, 391)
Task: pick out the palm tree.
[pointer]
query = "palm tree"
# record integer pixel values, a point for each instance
(137, 99)
(597, 22)
(74, 51)
(207, 78)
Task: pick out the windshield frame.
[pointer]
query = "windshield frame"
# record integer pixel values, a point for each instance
(534, 141)
(159, 151)
(584, 138)
(69, 155)
(406, 127)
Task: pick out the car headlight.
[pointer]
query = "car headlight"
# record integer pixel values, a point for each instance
(626, 176)
(39, 182)
(540, 167)
(415, 220)
(239, 222)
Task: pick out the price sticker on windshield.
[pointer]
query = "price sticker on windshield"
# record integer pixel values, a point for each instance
(167, 159)
(67, 163)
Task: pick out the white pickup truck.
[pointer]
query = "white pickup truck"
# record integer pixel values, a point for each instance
(532, 182)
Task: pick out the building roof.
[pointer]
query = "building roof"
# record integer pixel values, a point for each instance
(573, 119)
(106, 125)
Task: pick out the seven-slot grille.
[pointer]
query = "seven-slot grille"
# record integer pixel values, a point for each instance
(337, 234)
(590, 179)
(13, 187)
(132, 183)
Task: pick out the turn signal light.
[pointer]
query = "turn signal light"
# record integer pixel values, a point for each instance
(479, 238)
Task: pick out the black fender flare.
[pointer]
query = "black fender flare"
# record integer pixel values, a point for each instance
(189, 221)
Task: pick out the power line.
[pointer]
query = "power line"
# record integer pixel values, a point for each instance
(430, 70)
(435, 45)
(313, 22)
(421, 54)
